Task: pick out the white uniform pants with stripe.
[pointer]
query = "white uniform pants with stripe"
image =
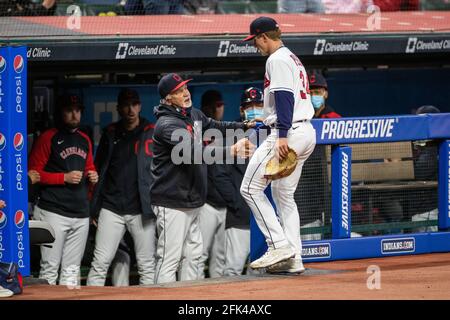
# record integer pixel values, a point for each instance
(237, 250)
(212, 227)
(180, 244)
(110, 231)
(67, 250)
(278, 233)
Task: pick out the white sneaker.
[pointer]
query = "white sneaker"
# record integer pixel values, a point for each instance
(5, 293)
(291, 265)
(273, 256)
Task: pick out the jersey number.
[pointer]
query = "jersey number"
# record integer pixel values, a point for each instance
(305, 81)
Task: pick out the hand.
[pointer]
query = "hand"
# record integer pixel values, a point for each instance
(94, 222)
(47, 4)
(73, 177)
(243, 148)
(281, 148)
(35, 177)
(93, 177)
(250, 124)
(2, 204)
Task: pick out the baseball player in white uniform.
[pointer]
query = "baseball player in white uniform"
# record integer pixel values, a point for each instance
(287, 111)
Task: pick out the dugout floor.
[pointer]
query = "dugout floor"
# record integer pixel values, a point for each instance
(407, 277)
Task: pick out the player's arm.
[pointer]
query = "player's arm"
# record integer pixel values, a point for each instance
(209, 123)
(101, 154)
(174, 133)
(39, 157)
(89, 169)
(281, 86)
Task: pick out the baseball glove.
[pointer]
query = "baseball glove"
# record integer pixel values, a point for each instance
(277, 170)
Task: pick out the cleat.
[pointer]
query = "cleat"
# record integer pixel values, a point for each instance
(291, 265)
(273, 256)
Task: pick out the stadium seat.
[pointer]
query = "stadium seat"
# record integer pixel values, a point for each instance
(96, 7)
(63, 5)
(230, 7)
(264, 6)
(430, 5)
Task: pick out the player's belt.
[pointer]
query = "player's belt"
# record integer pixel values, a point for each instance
(273, 126)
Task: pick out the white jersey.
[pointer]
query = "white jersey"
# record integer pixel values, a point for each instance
(285, 72)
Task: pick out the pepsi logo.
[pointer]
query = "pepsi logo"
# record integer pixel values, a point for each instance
(18, 64)
(19, 219)
(2, 64)
(2, 141)
(3, 220)
(18, 141)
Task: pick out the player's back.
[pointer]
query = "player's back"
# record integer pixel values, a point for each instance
(285, 72)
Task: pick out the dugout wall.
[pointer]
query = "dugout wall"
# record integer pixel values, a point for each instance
(374, 68)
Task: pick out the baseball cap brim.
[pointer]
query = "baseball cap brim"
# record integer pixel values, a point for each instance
(180, 85)
(250, 37)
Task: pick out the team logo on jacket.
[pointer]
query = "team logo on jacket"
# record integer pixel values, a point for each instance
(18, 64)
(2, 141)
(3, 220)
(18, 141)
(19, 219)
(2, 64)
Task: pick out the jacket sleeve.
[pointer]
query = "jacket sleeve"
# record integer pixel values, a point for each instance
(224, 184)
(208, 123)
(89, 160)
(99, 162)
(39, 157)
(177, 134)
(171, 132)
(101, 154)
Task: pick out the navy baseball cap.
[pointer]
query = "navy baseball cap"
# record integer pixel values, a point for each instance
(69, 101)
(251, 94)
(427, 109)
(128, 96)
(261, 25)
(317, 80)
(169, 83)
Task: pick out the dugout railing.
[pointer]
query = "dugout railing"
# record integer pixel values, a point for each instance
(373, 157)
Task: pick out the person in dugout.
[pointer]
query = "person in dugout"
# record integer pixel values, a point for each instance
(63, 158)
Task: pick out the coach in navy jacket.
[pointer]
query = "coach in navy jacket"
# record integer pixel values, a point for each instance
(179, 190)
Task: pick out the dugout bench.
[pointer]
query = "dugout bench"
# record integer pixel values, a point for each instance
(383, 169)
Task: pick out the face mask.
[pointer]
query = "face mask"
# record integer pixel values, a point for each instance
(254, 113)
(317, 101)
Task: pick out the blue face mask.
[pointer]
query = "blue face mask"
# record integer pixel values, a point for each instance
(317, 101)
(254, 113)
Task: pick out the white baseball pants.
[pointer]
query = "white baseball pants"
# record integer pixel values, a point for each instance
(278, 233)
(180, 244)
(110, 231)
(120, 269)
(212, 227)
(67, 250)
(237, 250)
